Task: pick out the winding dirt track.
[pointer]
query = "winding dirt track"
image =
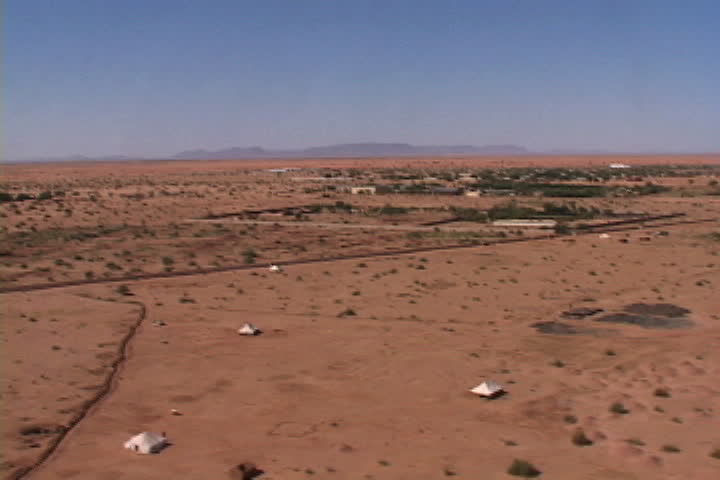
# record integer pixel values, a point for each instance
(107, 387)
(615, 226)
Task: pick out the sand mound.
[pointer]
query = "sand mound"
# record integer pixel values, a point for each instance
(556, 328)
(646, 321)
(657, 309)
(559, 328)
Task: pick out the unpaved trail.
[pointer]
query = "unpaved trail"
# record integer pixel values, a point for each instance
(107, 387)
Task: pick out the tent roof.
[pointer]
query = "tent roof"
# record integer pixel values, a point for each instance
(147, 437)
(248, 329)
(146, 442)
(487, 387)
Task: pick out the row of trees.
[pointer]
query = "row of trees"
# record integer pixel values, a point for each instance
(511, 209)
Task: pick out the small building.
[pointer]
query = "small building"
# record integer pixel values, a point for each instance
(472, 193)
(530, 223)
(618, 165)
(499, 191)
(363, 190)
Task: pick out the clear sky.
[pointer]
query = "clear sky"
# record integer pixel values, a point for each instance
(154, 77)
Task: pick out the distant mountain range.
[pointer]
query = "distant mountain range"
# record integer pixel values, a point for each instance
(353, 150)
(369, 149)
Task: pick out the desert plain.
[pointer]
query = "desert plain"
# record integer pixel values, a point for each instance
(122, 286)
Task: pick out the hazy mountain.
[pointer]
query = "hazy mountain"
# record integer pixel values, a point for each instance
(234, 152)
(355, 150)
(369, 149)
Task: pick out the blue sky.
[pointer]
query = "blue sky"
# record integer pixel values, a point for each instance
(154, 77)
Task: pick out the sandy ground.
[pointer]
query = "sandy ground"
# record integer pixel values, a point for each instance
(364, 365)
(57, 351)
(60, 171)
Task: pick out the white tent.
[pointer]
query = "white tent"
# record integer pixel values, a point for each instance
(147, 442)
(488, 389)
(604, 235)
(249, 329)
(275, 268)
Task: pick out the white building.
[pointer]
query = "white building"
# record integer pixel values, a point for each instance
(525, 223)
(362, 190)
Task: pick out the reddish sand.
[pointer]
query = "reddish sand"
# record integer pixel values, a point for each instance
(364, 366)
(61, 171)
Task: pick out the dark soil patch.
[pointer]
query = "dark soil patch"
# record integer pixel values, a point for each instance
(657, 309)
(556, 328)
(646, 321)
(581, 312)
(559, 328)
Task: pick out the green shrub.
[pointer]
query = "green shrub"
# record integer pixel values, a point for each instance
(348, 312)
(580, 439)
(523, 468)
(571, 419)
(21, 197)
(124, 290)
(562, 228)
(469, 214)
(249, 256)
(618, 407)
(391, 210)
(661, 392)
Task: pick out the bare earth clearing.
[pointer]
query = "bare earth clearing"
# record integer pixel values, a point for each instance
(364, 365)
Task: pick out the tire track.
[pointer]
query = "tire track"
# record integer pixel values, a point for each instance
(108, 386)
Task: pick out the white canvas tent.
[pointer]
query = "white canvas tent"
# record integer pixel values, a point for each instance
(488, 389)
(275, 268)
(249, 329)
(147, 442)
